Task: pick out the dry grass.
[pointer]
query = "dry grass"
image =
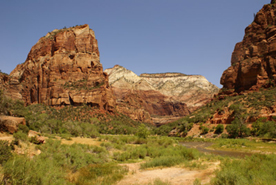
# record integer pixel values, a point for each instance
(79, 140)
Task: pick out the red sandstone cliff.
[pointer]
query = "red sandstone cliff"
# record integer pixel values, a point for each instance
(63, 68)
(253, 63)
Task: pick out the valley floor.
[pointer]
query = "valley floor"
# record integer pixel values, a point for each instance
(172, 175)
(200, 170)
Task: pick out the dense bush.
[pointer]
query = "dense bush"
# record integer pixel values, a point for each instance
(5, 151)
(143, 131)
(53, 164)
(257, 169)
(100, 174)
(204, 130)
(19, 135)
(237, 129)
(219, 129)
(170, 156)
(74, 156)
(77, 121)
(38, 171)
(163, 130)
(264, 128)
(23, 128)
(185, 127)
(162, 150)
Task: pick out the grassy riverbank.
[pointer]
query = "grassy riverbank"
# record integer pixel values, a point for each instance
(103, 160)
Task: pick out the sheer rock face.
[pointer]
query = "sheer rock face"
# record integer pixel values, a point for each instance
(253, 63)
(63, 68)
(159, 95)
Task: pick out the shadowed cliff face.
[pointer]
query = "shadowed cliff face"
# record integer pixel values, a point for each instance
(253, 61)
(63, 68)
(165, 95)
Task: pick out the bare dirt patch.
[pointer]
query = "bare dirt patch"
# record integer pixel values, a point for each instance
(173, 175)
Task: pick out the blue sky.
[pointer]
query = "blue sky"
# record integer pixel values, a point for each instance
(145, 36)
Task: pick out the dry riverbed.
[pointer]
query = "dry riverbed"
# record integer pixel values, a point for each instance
(172, 175)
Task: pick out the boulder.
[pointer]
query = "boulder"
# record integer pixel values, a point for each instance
(10, 124)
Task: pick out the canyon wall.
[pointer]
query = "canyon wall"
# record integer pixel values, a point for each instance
(253, 63)
(63, 68)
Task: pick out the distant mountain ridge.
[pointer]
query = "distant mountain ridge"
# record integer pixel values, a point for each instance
(182, 93)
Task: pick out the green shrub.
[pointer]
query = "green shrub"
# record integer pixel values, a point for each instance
(38, 171)
(169, 156)
(256, 169)
(140, 140)
(35, 140)
(197, 182)
(77, 121)
(204, 130)
(24, 128)
(107, 145)
(73, 156)
(100, 174)
(19, 135)
(164, 161)
(133, 153)
(89, 130)
(5, 151)
(219, 129)
(143, 131)
(163, 130)
(11, 107)
(269, 129)
(237, 129)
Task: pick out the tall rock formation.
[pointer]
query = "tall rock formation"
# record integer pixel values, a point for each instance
(253, 63)
(63, 68)
(161, 97)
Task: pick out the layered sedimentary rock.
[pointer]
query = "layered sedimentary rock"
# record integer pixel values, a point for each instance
(63, 68)
(4, 81)
(170, 95)
(253, 63)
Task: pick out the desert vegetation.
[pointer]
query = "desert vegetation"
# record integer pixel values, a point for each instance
(103, 163)
(118, 140)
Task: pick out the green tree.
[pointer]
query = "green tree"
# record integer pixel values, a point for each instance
(143, 131)
(238, 127)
